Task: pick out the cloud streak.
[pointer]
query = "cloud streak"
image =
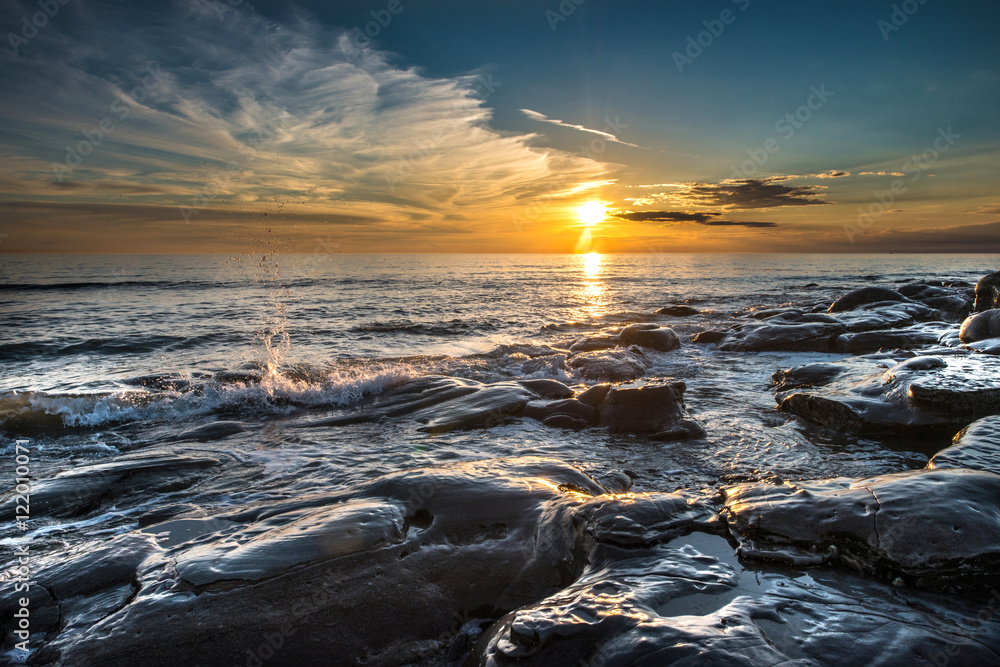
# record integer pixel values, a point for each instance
(542, 118)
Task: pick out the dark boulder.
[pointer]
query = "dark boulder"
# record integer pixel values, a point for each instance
(547, 388)
(981, 326)
(650, 336)
(710, 337)
(678, 311)
(865, 295)
(542, 410)
(621, 365)
(650, 410)
(988, 292)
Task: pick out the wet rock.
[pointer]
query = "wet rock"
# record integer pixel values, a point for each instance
(592, 343)
(709, 337)
(650, 336)
(976, 447)
(542, 410)
(865, 295)
(922, 395)
(783, 336)
(443, 404)
(594, 395)
(237, 377)
(420, 545)
(487, 406)
(214, 431)
(883, 525)
(981, 326)
(887, 315)
(550, 389)
(621, 365)
(651, 410)
(873, 341)
(87, 488)
(678, 311)
(988, 292)
(692, 603)
(565, 421)
(807, 375)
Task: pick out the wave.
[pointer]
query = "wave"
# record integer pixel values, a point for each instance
(34, 412)
(111, 346)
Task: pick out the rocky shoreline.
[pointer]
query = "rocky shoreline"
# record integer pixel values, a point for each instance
(531, 561)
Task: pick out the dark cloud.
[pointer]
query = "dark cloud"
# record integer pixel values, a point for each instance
(754, 193)
(666, 216)
(684, 216)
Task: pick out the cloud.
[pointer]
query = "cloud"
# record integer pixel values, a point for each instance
(751, 194)
(542, 118)
(665, 216)
(684, 216)
(881, 173)
(245, 112)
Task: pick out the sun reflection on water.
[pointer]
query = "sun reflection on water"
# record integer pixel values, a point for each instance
(593, 291)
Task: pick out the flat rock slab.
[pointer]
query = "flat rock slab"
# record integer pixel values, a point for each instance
(75, 492)
(933, 527)
(946, 392)
(692, 602)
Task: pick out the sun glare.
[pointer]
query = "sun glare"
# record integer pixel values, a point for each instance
(591, 212)
(592, 264)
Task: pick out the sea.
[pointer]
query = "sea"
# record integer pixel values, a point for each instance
(102, 356)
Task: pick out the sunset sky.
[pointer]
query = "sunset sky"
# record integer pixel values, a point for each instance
(499, 126)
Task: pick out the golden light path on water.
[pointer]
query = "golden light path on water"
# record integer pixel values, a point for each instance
(593, 291)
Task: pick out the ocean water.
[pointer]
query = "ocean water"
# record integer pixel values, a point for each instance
(102, 356)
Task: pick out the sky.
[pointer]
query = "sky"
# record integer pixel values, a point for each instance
(196, 126)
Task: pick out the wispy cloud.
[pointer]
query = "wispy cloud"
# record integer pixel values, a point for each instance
(248, 112)
(542, 118)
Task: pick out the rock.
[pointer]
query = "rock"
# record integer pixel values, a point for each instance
(692, 602)
(565, 421)
(650, 336)
(444, 404)
(981, 326)
(988, 292)
(923, 395)
(611, 365)
(921, 291)
(873, 341)
(592, 343)
(550, 389)
(808, 375)
(594, 395)
(678, 311)
(882, 525)
(887, 315)
(237, 377)
(87, 488)
(976, 447)
(485, 407)
(865, 295)
(541, 410)
(650, 410)
(955, 306)
(685, 429)
(782, 336)
(709, 337)
(422, 545)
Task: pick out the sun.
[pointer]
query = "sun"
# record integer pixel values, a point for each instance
(591, 212)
